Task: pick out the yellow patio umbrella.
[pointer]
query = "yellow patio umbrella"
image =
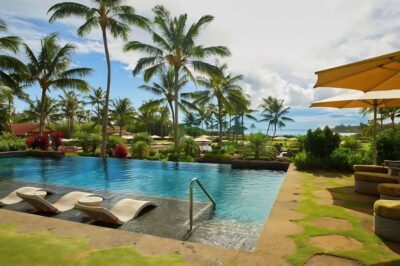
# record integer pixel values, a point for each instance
(374, 74)
(358, 99)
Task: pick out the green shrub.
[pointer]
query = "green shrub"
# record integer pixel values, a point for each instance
(140, 150)
(186, 158)
(190, 147)
(388, 145)
(321, 143)
(352, 144)
(257, 143)
(88, 141)
(218, 154)
(304, 161)
(143, 136)
(9, 142)
(341, 159)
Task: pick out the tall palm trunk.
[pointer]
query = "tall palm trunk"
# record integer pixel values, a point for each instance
(220, 122)
(176, 122)
(41, 123)
(269, 125)
(273, 136)
(243, 136)
(105, 117)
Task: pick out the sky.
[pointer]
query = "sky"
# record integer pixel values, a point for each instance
(276, 45)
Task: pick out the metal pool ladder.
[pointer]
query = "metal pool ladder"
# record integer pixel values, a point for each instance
(195, 180)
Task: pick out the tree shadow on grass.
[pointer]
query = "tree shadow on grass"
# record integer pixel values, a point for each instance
(346, 197)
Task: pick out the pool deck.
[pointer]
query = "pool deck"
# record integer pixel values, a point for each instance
(166, 220)
(271, 248)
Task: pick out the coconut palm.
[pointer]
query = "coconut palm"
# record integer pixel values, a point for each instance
(108, 15)
(257, 143)
(97, 100)
(166, 89)
(37, 111)
(266, 113)
(279, 112)
(223, 87)
(121, 112)
(50, 69)
(175, 46)
(9, 64)
(70, 106)
(147, 114)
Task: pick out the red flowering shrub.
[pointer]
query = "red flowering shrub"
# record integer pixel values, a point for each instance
(55, 138)
(38, 142)
(120, 151)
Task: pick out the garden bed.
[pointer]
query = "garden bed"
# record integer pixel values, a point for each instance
(259, 164)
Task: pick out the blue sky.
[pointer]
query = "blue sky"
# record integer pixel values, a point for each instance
(276, 48)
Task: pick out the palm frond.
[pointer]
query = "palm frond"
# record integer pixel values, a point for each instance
(10, 43)
(67, 9)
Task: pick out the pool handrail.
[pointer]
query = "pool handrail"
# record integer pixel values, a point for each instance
(195, 180)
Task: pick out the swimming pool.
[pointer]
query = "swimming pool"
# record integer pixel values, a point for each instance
(245, 196)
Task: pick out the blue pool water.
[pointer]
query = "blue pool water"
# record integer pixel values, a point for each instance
(241, 195)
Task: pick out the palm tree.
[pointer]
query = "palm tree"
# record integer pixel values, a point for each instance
(97, 100)
(266, 110)
(121, 112)
(107, 15)
(224, 88)
(147, 114)
(175, 46)
(38, 111)
(392, 113)
(278, 111)
(257, 142)
(50, 69)
(166, 89)
(70, 106)
(9, 63)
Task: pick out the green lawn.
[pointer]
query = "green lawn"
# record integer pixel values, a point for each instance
(372, 250)
(45, 248)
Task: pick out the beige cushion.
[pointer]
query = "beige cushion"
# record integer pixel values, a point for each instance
(389, 189)
(374, 177)
(387, 209)
(370, 168)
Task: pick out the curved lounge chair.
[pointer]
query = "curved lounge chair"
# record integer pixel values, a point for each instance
(123, 211)
(65, 203)
(13, 198)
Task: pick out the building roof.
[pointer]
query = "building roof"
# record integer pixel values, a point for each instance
(24, 129)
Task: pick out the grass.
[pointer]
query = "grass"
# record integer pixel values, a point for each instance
(372, 250)
(45, 248)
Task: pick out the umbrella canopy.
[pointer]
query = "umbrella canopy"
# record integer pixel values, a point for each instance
(358, 99)
(202, 139)
(375, 74)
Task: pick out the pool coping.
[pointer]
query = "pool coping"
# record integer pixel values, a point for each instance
(273, 245)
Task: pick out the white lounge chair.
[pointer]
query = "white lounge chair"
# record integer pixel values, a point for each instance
(123, 211)
(65, 203)
(13, 198)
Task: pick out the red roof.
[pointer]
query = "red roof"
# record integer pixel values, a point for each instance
(25, 129)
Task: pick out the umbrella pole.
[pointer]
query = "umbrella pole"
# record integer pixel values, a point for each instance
(374, 154)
